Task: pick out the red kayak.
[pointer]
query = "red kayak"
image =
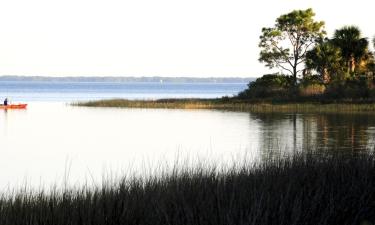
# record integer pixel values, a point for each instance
(13, 106)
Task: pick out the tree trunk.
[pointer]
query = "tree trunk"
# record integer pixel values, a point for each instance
(295, 75)
(296, 55)
(325, 76)
(352, 64)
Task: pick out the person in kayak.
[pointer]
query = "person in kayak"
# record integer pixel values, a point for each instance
(6, 101)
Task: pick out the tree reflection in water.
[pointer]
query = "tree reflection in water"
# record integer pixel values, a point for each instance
(285, 134)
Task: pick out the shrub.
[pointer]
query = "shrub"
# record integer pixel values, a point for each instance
(269, 85)
(353, 88)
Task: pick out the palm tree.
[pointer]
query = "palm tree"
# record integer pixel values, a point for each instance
(353, 47)
(326, 59)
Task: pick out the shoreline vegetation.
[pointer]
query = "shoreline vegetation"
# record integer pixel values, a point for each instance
(233, 104)
(300, 189)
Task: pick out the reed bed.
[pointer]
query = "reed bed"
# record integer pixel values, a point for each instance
(295, 190)
(235, 105)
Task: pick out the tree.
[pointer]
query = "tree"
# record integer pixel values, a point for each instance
(326, 59)
(353, 47)
(285, 45)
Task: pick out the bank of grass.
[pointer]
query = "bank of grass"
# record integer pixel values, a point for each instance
(238, 105)
(299, 190)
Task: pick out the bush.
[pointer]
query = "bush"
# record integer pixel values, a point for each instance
(312, 79)
(278, 87)
(353, 88)
(269, 85)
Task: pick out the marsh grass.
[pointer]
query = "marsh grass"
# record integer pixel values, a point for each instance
(237, 105)
(294, 190)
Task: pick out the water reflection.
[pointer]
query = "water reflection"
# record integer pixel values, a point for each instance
(37, 143)
(321, 133)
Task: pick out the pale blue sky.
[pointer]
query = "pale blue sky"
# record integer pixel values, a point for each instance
(151, 37)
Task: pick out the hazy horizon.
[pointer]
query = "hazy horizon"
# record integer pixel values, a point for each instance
(2, 77)
(168, 38)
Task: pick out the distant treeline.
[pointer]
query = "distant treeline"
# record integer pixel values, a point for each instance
(130, 79)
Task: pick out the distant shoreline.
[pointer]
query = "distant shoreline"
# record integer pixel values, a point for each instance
(156, 79)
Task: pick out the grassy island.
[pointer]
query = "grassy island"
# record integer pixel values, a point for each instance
(238, 105)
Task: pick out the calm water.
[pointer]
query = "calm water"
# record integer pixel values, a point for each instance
(54, 143)
(81, 91)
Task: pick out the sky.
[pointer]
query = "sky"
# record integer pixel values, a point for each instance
(192, 38)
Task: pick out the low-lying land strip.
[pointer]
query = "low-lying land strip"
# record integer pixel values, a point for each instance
(237, 105)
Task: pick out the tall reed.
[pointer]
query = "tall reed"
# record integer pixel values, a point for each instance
(296, 190)
(236, 105)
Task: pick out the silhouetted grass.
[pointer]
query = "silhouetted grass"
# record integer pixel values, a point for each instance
(298, 190)
(236, 105)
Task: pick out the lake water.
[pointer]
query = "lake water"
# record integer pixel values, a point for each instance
(54, 143)
(43, 91)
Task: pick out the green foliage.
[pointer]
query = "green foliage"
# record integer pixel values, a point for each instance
(325, 58)
(351, 88)
(344, 65)
(309, 80)
(285, 45)
(346, 56)
(269, 85)
(354, 48)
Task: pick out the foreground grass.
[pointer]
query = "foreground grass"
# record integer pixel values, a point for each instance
(299, 190)
(235, 105)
